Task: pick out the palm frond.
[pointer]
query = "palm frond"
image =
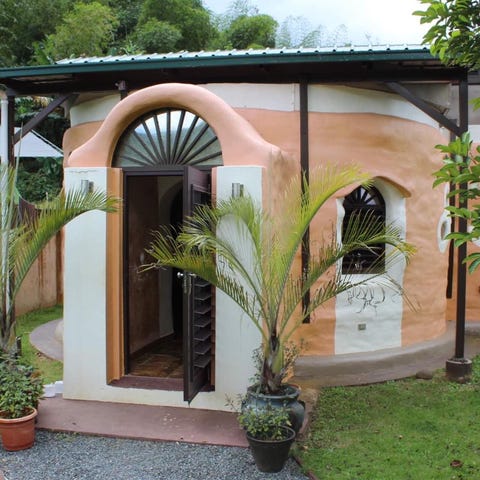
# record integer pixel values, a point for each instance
(35, 232)
(250, 256)
(23, 237)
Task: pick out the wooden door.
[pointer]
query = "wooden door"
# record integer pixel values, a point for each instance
(197, 300)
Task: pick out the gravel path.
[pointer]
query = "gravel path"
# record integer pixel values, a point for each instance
(58, 456)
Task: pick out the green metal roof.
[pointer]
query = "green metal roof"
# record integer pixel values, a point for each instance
(270, 65)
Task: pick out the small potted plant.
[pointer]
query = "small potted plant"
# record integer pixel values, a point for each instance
(20, 390)
(269, 434)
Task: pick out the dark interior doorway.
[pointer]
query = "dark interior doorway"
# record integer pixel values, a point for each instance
(154, 326)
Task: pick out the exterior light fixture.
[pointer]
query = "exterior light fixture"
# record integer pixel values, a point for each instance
(86, 186)
(237, 190)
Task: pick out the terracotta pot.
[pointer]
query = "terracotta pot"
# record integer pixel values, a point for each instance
(270, 455)
(18, 433)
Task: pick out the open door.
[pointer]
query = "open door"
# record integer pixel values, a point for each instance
(197, 300)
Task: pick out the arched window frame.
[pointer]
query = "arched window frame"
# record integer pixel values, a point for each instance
(364, 202)
(168, 136)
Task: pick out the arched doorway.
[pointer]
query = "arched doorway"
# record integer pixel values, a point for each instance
(166, 156)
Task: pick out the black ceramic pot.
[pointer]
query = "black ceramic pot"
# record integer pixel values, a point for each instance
(288, 398)
(271, 455)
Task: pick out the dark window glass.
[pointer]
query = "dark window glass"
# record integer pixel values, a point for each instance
(364, 204)
(168, 137)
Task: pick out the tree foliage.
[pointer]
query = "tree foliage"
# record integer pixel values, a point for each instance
(23, 23)
(156, 36)
(250, 256)
(462, 168)
(455, 37)
(188, 16)
(44, 31)
(252, 31)
(127, 12)
(87, 30)
(454, 34)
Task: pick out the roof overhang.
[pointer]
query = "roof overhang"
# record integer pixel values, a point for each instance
(325, 65)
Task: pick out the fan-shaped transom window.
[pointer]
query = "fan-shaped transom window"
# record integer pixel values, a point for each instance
(365, 204)
(168, 137)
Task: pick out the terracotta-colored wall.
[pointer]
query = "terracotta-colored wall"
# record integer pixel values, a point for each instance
(76, 136)
(400, 151)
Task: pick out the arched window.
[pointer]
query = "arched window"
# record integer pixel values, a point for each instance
(168, 137)
(364, 202)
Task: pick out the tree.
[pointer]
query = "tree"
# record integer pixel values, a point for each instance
(455, 37)
(462, 168)
(188, 16)
(23, 23)
(127, 13)
(257, 31)
(295, 32)
(242, 26)
(155, 36)
(455, 32)
(267, 287)
(22, 238)
(87, 30)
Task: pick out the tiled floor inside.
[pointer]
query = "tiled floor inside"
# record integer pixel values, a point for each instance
(163, 360)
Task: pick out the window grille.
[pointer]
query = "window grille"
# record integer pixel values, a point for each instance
(168, 137)
(364, 205)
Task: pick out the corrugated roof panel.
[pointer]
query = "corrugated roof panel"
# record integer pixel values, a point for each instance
(245, 53)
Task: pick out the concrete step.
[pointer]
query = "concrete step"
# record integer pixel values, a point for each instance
(382, 365)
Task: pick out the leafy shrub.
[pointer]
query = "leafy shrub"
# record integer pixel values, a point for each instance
(21, 386)
(265, 423)
(37, 183)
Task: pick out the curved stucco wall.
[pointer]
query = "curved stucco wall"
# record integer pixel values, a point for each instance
(240, 142)
(388, 137)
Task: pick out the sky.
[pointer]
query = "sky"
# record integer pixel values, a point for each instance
(383, 21)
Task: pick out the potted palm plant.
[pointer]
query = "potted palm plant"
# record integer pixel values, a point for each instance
(267, 285)
(22, 238)
(20, 390)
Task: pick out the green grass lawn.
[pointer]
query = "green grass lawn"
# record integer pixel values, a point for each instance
(402, 430)
(51, 370)
(408, 429)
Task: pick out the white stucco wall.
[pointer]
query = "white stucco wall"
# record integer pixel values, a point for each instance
(339, 99)
(85, 311)
(373, 306)
(84, 293)
(236, 336)
(322, 98)
(93, 110)
(285, 98)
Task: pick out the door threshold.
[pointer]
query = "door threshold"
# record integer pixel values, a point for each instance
(149, 383)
